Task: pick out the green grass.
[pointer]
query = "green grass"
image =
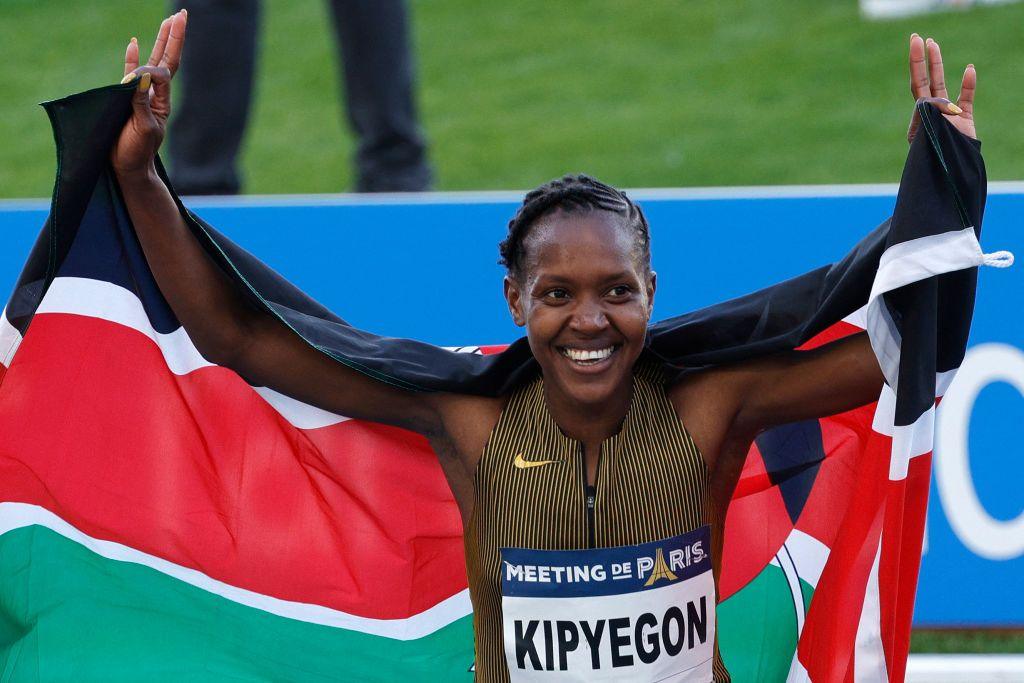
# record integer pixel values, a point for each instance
(967, 641)
(659, 93)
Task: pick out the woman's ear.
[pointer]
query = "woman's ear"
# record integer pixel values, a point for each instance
(514, 298)
(652, 285)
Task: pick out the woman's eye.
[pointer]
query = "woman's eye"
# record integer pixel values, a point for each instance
(557, 294)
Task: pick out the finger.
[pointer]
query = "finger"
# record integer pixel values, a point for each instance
(936, 77)
(967, 87)
(155, 83)
(161, 42)
(154, 74)
(942, 104)
(915, 123)
(175, 41)
(918, 68)
(140, 100)
(143, 121)
(131, 56)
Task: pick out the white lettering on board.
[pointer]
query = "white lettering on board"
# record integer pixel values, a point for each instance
(991, 538)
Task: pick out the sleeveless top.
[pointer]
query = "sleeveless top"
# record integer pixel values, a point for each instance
(652, 483)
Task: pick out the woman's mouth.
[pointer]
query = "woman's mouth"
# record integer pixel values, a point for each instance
(588, 357)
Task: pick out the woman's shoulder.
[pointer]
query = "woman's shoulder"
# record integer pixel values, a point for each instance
(467, 422)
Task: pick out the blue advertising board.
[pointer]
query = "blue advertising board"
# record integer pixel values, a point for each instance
(426, 267)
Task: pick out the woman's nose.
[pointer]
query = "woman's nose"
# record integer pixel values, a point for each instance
(588, 318)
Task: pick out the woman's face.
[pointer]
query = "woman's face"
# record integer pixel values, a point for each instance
(585, 302)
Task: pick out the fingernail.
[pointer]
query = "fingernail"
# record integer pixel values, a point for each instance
(144, 82)
(953, 108)
(129, 78)
(970, 66)
(134, 39)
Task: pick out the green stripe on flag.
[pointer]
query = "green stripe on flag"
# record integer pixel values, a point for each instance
(69, 614)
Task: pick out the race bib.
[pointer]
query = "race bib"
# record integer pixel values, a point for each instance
(638, 613)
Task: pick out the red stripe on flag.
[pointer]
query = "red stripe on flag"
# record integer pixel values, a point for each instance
(830, 334)
(200, 470)
(756, 525)
(900, 562)
(827, 644)
(843, 437)
(490, 349)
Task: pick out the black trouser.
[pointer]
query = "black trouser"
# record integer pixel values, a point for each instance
(215, 91)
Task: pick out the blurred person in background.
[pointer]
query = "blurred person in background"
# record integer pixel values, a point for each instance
(217, 84)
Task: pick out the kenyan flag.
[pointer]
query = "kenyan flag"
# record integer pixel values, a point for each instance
(161, 519)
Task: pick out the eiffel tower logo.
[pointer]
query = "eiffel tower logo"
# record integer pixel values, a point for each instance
(660, 570)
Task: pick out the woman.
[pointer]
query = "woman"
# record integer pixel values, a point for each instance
(596, 455)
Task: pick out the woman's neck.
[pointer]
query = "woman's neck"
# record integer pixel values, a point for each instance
(589, 422)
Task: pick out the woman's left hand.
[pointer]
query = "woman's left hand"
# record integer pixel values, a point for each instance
(928, 83)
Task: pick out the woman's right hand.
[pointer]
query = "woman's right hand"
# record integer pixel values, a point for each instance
(928, 84)
(141, 136)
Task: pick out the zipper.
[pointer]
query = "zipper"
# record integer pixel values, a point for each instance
(591, 492)
(589, 495)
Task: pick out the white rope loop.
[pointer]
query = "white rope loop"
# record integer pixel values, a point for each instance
(998, 259)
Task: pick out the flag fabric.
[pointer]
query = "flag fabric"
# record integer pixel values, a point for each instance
(160, 518)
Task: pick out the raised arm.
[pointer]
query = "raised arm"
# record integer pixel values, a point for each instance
(801, 385)
(726, 407)
(845, 374)
(225, 328)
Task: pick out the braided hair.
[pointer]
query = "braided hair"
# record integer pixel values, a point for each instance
(573, 193)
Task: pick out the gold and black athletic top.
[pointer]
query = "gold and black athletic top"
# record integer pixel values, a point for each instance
(652, 483)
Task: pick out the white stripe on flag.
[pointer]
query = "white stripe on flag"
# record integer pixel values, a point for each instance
(908, 441)
(797, 672)
(908, 262)
(18, 515)
(858, 318)
(808, 556)
(885, 340)
(911, 441)
(924, 257)
(10, 339)
(943, 380)
(299, 414)
(107, 301)
(785, 562)
(869, 655)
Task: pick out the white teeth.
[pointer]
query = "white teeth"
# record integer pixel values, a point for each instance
(582, 355)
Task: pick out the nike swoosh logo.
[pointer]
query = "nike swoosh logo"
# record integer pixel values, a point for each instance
(523, 463)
